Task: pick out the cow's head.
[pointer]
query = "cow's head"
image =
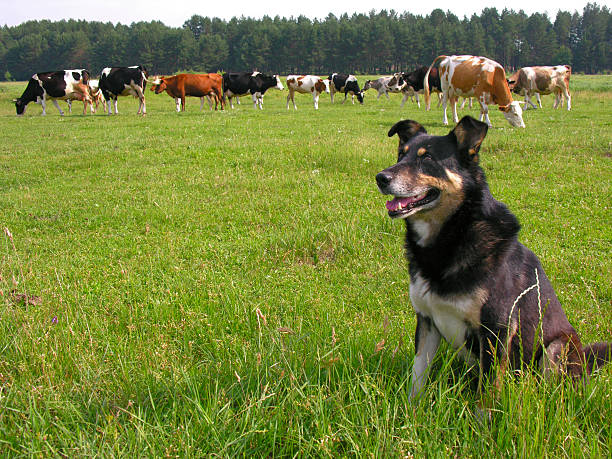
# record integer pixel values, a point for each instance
(513, 113)
(326, 84)
(158, 84)
(20, 106)
(360, 95)
(367, 85)
(396, 82)
(279, 85)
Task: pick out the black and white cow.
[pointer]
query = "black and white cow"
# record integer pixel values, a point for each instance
(242, 83)
(413, 83)
(124, 81)
(347, 84)
(54, 86)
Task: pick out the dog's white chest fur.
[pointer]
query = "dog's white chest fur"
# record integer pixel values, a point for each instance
(452, 315)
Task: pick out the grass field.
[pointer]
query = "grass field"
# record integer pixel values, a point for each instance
(229, 283)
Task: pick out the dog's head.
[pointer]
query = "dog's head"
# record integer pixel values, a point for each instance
(429, 180)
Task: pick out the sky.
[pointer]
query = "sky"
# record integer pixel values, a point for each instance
(174, 14)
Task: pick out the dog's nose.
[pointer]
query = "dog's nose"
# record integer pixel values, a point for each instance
(383, 179)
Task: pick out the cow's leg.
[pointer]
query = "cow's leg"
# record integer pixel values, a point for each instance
(418, 102)
(116, 108)
(439, 100)
(529, 102)
(182, 103)
(56, 105)
(557, 101)
(69, 102)
(177, 101)
(539, 99)
(427, 341)
(345, 96)
(387, 94)
(331, 94)
(484, 113)
(453, 101)
(291, 96)
(568, 97)
(315, 97)
(444, 103)
(404, 99)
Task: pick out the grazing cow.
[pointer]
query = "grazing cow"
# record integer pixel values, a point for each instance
(382, 86)
(467, 76)
(413, 83)
(96, 96)
(346, 84)
(542, 80)
(60, 85)
(255, 83)
(305, 84)
(96, 93)
(187, 84)
(124, 81)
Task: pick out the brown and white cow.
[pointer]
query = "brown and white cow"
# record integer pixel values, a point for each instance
(475, 76)
(528, 81)
(305, 84)
(190, 84)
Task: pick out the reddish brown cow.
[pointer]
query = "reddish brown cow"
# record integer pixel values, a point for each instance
(190, 84)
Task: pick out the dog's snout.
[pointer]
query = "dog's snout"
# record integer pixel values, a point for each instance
(383, 179)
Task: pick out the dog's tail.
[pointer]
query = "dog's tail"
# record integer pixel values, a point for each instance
(597, 354)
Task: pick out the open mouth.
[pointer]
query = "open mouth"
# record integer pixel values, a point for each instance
(402, 206)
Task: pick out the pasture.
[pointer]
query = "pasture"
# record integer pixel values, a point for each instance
(229, 283)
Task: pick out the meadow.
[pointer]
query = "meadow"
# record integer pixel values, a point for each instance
(229, 283)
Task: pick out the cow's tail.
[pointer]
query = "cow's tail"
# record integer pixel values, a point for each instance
(223, 99)
(597, 354)
(426, 81)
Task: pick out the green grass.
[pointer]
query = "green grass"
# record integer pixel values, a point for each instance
(228, 283)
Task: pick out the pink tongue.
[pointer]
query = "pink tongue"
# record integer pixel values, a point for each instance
(396, 203)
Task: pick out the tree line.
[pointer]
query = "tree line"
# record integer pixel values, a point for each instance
(376, 43)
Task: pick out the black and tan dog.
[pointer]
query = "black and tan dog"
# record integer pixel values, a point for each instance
(471, 281)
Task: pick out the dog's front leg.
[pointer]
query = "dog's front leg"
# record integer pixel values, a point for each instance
(426, 343)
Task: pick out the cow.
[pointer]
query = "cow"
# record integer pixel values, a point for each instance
(467, 76)
(187, 84)
(124, 81)
(59, 85)
(542, 80)
(412, 83)
(305, 84)
(382, 86)
(347, 84)
(94, 93)
(254, 83)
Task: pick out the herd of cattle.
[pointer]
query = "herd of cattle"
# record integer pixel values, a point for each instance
(454, 77)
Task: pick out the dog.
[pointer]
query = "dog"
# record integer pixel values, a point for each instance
(471, 281)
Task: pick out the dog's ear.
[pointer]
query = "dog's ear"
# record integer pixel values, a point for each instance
(406, 130)
(469, 134)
